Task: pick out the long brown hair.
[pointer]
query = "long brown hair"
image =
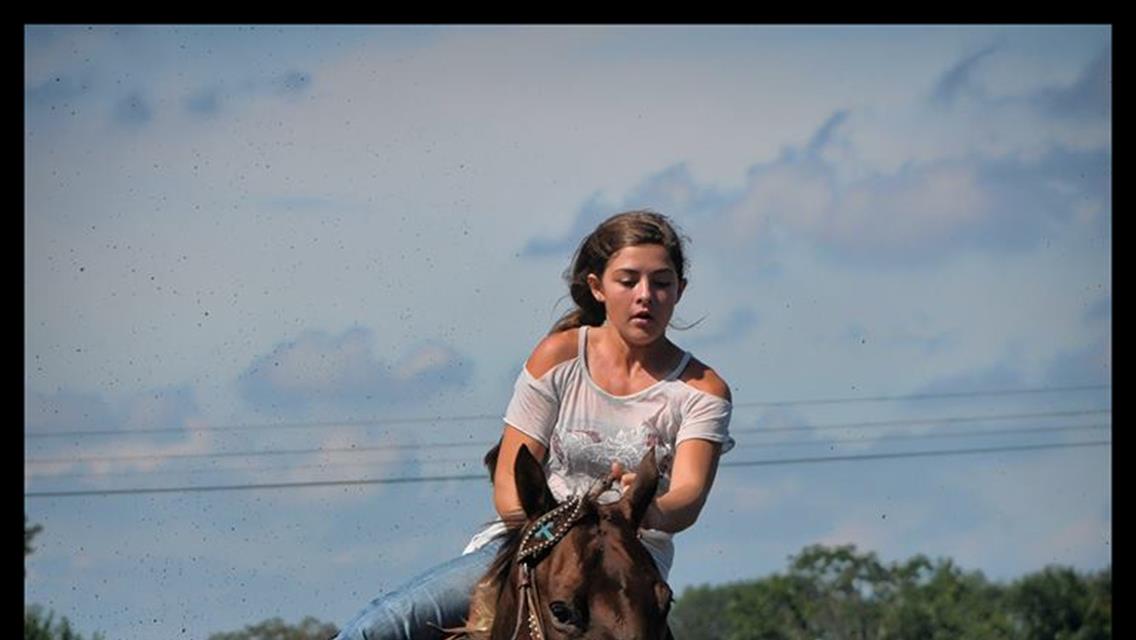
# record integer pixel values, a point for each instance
(627, 229)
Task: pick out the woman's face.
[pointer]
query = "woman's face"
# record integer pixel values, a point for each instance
(639, 289)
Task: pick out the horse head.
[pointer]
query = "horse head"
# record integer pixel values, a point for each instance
(575, 570)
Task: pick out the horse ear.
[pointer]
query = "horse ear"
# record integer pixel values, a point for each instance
(642, 490)
(532, 486)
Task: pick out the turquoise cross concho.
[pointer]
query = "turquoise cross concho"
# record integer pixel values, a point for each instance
(544, 531)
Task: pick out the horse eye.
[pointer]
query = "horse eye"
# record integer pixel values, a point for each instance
(564, 613)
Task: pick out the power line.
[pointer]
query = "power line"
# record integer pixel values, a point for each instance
(467, 459)
(254, 453)
(243, 487)
(933, 436)
(452, 444)
(915, 454)
(367, 422)
(353, 422)
(918, 421)
(482, 476)
(923, 396)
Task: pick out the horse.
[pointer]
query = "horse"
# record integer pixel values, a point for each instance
(574, 570)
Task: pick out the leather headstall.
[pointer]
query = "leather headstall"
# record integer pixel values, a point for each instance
(540, 536)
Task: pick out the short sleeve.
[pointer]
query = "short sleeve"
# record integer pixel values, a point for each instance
(707, 417)
(534, 407)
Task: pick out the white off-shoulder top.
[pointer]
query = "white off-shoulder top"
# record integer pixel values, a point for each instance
(586, 428)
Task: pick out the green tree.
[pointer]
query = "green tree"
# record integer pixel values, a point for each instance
(776, 608)
(1059, 604)
(276, 629)
(841, 594)
(940, 601)
(700, 613)
(41, 626)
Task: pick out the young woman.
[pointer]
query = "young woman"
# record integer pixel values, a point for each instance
(604, 387)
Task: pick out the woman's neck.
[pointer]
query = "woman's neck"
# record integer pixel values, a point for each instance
(656, 358)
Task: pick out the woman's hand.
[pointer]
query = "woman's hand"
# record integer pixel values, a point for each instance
(626, 479)
(695, 465)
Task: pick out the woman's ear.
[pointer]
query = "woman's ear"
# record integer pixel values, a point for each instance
(681, 288)
(596, 285)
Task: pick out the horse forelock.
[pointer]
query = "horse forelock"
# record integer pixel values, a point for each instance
(610, 559)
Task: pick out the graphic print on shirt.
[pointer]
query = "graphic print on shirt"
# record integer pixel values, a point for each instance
(584, 450)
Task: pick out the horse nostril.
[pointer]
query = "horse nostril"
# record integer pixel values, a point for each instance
(564, 613)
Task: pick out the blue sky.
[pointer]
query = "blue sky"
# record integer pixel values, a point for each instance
(293, 229)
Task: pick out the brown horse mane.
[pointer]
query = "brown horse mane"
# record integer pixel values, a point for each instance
(489, 592)
(499, 569)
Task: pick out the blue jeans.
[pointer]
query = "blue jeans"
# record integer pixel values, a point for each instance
(440, 596)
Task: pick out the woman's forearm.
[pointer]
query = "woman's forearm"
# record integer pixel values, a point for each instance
(675, 510)
(508, 504)
(695, 465)
(505, 498)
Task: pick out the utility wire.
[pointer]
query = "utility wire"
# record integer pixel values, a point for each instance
(353, 422)
(922, 396)
(468, 459)
(247, 454)
(463, 461)
(482, 476)
(917, 421)
(367, 422)
(916, 454)
(451, 444)
(932, 436)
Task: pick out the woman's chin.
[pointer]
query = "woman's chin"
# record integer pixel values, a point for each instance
(642, 333)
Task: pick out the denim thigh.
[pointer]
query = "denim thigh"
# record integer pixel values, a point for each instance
(440, 596)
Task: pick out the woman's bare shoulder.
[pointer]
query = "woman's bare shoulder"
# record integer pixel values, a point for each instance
(551, 351)
(700, 376)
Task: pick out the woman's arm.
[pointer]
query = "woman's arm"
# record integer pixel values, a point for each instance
(695, 465)
(551, 351)
(505, 498)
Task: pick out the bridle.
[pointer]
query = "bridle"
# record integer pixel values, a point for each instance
(543, 534)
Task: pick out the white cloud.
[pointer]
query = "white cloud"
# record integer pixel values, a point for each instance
(425, 360)
(317, 363)
(336, 462)
(340, 371)
(97, 462)
(170, 408)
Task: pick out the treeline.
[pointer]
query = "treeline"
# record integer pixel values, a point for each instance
(836, 593)
(276, 629)
(828, 593)
(40, 625)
